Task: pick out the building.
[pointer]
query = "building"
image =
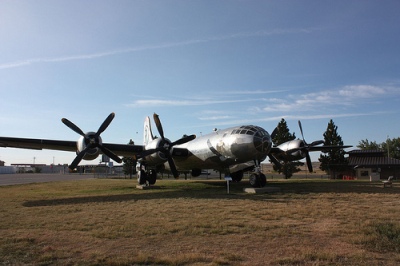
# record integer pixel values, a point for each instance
(373, 164)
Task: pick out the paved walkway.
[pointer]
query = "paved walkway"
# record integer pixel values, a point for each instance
(15, 179)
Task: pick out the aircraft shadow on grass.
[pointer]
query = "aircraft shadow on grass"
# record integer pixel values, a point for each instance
(215, 190)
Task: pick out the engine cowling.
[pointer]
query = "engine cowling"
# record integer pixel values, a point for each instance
(196, 172)
(81, 144)
(158, 157)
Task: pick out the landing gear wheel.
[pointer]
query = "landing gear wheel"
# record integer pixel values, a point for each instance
(237, 176)
(263, 180)
(254, 181)
(257, 180)
(142, 177)
(152, 177)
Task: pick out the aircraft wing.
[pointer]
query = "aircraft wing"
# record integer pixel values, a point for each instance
(62, 145)
(327, 147)
(276, 150)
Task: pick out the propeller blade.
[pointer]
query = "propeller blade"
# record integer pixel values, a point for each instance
(309, 164)
(183, 140)
(147, 153)
(110, 153)
(173, 167)
(158, 125)
(301, 131)
(72, 126)
(105, 124)
(78, 158)
(274, 160)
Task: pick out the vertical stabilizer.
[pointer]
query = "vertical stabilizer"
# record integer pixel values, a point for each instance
(147, 133)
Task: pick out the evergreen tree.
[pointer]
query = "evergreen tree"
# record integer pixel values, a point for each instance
(283, 135)
(332, 161)
(129, 166)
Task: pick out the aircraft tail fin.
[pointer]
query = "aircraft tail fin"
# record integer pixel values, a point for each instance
(147, 133)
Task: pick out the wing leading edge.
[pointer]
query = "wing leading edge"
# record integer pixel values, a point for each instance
(125, 150)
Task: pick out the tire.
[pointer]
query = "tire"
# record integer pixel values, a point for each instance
(152, 177)
(237, 176)
(142, 177)
(254, 180)
(263, 180)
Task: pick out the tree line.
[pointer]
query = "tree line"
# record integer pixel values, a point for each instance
(391, 147)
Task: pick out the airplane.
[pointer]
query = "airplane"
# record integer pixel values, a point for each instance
(232, 151)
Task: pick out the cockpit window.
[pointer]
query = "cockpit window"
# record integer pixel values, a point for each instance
(250, 130)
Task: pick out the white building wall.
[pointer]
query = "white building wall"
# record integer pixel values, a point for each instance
(8, 169)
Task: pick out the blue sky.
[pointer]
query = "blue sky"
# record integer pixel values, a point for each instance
(198, 64)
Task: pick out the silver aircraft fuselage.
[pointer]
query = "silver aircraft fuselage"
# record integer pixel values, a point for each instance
(221, 149)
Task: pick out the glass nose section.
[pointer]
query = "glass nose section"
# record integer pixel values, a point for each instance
(262, 141)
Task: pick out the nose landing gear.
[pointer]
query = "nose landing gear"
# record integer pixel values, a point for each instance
(257, 179)
(146, 177)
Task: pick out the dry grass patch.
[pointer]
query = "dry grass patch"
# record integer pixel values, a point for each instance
(109, 222)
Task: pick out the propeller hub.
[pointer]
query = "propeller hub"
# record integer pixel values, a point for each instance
(92, 139)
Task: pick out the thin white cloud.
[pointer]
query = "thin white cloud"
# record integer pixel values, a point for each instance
(363, 91)
(31, 61)
(253, 120)
(345, 96)
(220, 117)
(190, 102)
(251, 92)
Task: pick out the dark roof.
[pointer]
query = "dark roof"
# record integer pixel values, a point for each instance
(371, 158)
(373, 161)
(366, 153)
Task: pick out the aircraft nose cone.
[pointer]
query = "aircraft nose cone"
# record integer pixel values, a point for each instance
(263, 142)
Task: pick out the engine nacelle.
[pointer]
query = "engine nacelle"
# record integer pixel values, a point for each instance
(196, 172)
(90, 154)
(158, 157)
(293, 150)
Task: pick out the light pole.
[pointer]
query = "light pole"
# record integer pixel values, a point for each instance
(387, 144)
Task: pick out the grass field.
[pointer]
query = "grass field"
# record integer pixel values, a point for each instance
(195, 222)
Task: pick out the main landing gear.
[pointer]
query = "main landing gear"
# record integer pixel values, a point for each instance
(146, 177)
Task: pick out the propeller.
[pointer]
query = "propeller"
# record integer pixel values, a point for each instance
(167, 145)
(274, 160)
(307, 147)
(92, 140)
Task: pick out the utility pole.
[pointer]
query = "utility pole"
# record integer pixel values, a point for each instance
(387, 144)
